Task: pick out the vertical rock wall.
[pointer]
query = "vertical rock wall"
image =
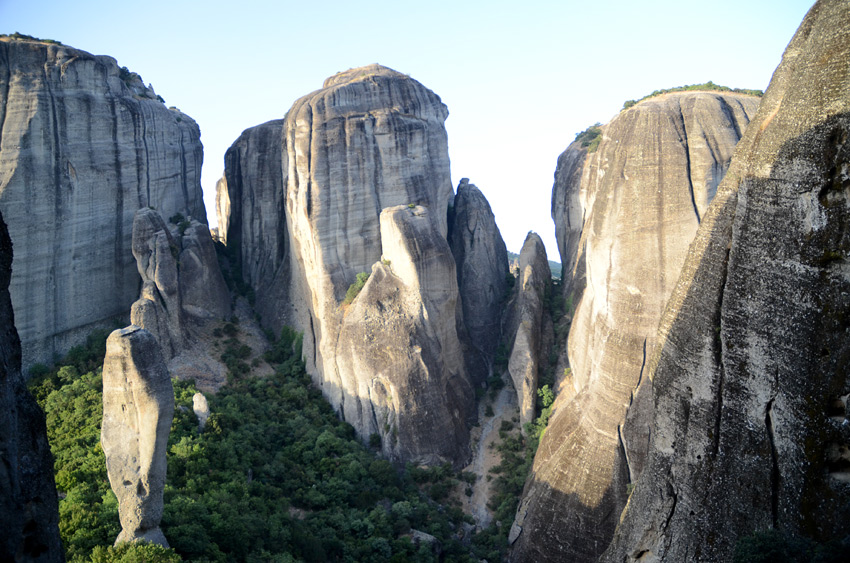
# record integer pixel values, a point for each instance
(29, 511)
(648, 186)
(83, 145)
(751, 370)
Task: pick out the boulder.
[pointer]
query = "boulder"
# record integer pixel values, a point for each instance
(750, 378)
(84, 145)
(29, 511)
(138, 406)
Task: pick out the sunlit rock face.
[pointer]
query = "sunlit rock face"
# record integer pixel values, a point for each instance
(750, 373)
(641, 198)
(29, 512)
(370, 139)
(398, 353)
(83, 146)
(482, 269)
(138, 406)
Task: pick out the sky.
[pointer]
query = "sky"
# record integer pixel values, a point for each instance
(520, 79)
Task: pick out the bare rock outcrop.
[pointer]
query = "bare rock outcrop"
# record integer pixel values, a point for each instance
(83, 145)
(482, 269)
(250, 202)
(750, 373)
(528, 322)
(29, 511)
(138, 406)
(642, 196)
(398, 353)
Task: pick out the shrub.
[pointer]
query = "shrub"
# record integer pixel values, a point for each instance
(354, 288)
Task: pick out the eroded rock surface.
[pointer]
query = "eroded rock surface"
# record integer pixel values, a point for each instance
(138, 406)
(528, 322)
(482, 268)
(750, 375)
(29, 512)
(641, 198)
(182, 289)
(398, 354)
(84, 145)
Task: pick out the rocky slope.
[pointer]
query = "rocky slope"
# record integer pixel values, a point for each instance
(641, 198)
(369, 140)
(482, 269)
(29, 512)
(83, 145)
(138, 406)
(750, 374)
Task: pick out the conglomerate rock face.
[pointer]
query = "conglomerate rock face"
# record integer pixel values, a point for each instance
(641, 198)
(482, 269)
(83, 145)
(528, 324)
(138, 406)
(398, 353)
(750, 373)
(29, 512)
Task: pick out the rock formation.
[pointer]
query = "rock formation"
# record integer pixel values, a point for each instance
(252, 219)
(182, 287)
(482, 268)
(138, 406)
(201, 408)
(529, 324)
(642, 196)
(84, 145)
(750, 373)
(370, 139)
(398, 354)
(29, 512)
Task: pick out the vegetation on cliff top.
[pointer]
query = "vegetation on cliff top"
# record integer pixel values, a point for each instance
(706, 86)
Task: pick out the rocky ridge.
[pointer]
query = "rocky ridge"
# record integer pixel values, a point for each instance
(83, 145)
(626, 213)
(750, 380)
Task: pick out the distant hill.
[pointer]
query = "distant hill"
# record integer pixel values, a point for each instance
(555, 267)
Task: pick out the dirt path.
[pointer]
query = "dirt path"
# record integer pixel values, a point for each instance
(486, 455)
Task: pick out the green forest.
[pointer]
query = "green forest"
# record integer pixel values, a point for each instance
(274, 476)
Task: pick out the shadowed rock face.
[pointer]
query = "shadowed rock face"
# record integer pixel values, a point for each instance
(29, 512)
(138, 406)
(482, 268)
(398, 352)
(81, 149)
(641, 198)
(750, 374)
(252, 219)
(528, 324)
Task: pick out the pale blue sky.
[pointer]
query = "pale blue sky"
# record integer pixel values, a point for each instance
(520, 79)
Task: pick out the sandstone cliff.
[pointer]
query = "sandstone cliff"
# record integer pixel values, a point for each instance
(138, 405)
(83, 145)
(641, 198)
(29, 512)
(529, 326)
(370, 139)
(750, 376)
(482, 269)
